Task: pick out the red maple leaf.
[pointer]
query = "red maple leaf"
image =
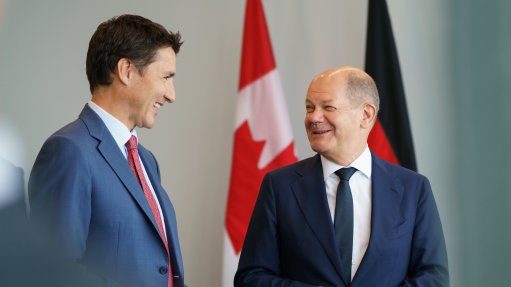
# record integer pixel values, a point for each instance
(246, 179)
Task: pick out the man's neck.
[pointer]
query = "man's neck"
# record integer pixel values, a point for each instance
(347, 156)
(107, 101)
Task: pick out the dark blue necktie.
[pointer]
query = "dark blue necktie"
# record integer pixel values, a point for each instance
(343, 221)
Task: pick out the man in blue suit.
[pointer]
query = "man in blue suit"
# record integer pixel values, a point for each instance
(343, 217)
(93, 186)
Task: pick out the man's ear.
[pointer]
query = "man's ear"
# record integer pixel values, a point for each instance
(124, 70)
(368, 115)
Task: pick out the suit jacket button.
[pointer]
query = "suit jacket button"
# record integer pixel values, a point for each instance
(163, 270)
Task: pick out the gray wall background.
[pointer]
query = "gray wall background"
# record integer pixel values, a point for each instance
(456, 69)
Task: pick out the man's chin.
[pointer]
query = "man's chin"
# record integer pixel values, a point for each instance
(321, 149)
(149, 123)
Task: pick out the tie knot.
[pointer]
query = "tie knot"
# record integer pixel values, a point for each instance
(345, 173)
(132, 143)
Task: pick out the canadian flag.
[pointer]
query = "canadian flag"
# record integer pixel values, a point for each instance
(263, 140)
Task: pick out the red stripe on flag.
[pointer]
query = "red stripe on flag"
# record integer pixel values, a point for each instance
(256, 56)
(380, 145)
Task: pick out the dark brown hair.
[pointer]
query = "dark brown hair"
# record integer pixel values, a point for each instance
(128, 36)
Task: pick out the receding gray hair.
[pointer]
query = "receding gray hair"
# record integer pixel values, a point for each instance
(360, 87)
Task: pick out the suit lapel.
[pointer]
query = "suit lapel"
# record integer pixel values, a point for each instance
(111, 153)
(386, 199)
(167, 209)
(310, 192)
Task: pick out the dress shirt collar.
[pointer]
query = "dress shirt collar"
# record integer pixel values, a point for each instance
(361, 163)
(119, 131)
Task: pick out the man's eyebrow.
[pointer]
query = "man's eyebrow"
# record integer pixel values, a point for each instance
(329, 101)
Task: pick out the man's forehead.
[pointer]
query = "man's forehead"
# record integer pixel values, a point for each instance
(324, 91)
(328, 84)
(320, 96)
(165, 60)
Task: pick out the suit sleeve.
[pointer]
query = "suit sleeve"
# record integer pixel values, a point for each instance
(60, 194)
(428, 262)
(259, 263)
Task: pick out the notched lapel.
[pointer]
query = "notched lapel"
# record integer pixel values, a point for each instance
(113, 156)
(310, 193)
(387, 194)
(120, 166)
(167, 209)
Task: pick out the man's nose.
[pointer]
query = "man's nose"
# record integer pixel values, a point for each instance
(316, 115)
(170, 95)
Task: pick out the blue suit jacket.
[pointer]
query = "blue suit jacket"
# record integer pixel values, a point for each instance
(83, 189)
(291, 242)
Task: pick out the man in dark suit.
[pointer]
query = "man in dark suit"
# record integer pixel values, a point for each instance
(93, 186)
(343, 217)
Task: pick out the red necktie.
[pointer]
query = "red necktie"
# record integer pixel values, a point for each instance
(136, 167)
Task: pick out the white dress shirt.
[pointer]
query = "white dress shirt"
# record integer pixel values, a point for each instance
(121, 135)
(360, 185)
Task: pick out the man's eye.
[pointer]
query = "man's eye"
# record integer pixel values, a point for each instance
(330, 108)
(309, 109)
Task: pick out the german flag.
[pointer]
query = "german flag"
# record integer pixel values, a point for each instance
(391, 136)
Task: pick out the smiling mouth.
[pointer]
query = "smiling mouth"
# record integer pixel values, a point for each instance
(157, 105)
(320, 132)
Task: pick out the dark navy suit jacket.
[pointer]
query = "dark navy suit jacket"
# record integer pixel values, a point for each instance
(290, 239)
(82, 188)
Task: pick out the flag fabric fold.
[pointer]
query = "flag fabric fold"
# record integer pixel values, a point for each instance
(263, 140)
